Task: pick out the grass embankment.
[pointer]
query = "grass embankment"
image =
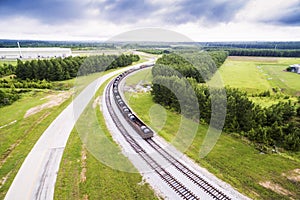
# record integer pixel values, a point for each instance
(83, 176)
(233, 159)
(18, 138)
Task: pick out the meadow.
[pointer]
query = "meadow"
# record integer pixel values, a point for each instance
(18, 134)
(254, 74)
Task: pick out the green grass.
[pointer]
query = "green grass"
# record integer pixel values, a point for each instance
(233, 159)
(102, 181)
(18, 139)
(288, 82)
(144, 75)
(13, 62)
(244, 73)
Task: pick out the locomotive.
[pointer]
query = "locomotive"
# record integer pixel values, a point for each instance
(143, 130)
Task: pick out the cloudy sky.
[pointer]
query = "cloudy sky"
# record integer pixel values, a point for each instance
(200, 20)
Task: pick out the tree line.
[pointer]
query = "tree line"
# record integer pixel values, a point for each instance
(93, 64)
(264, 52)
(201, 65)
(277, 125)
(58, 69)
(14, 83)
(7, 97)
(252, 45)
(7, 69)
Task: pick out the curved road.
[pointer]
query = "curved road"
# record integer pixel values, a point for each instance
(37, 176)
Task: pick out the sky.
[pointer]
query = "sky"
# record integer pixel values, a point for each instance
(199, 20)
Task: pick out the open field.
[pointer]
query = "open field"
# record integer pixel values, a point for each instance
(83, 176)
(257, 74)
(20, 134)
(13, 62)
(233, 159)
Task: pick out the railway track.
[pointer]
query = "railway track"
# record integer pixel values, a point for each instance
(207, 187)
(176, 185)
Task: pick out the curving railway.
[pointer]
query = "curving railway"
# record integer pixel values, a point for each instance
(183, 191)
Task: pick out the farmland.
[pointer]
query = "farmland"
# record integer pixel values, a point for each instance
(254, 74)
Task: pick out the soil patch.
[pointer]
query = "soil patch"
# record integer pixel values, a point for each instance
(293, 175)
(83, 165)
(54, 100)
(276, 188)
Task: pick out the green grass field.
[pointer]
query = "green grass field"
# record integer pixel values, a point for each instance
(144, 75)
(18, 139)
(233, 159)
(257, 74)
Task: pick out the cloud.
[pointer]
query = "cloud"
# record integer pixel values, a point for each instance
(199, 19)
(125, 11)
(279, 12)
(170, 12)
(290, 17)
(46, 11)
(213, 11)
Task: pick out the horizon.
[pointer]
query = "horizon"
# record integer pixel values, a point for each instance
(111, 42)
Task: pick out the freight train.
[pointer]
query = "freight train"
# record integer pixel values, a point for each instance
(143, 130)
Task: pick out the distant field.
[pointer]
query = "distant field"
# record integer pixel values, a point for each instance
(233, 159)
(13, 62)
(257, 74)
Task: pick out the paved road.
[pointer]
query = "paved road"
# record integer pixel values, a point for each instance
(37, 176)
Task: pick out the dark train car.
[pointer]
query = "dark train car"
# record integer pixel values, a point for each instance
(134, 121)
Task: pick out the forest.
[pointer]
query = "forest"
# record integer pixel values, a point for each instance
(7, 69)
(264, 52)
(200, 66)
(274, 126)
(40, 73)
(58, 69)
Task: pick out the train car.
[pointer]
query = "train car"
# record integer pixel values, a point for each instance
(134, 121)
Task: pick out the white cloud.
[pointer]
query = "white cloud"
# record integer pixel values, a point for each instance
(248, 24)
(263, 10)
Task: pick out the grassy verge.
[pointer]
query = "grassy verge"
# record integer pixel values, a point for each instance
(233, 159)
(85, 177)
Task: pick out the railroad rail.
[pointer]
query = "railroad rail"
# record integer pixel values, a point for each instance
(207, 187)
(176, 185)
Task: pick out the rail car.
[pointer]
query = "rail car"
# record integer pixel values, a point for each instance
(143, 130)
